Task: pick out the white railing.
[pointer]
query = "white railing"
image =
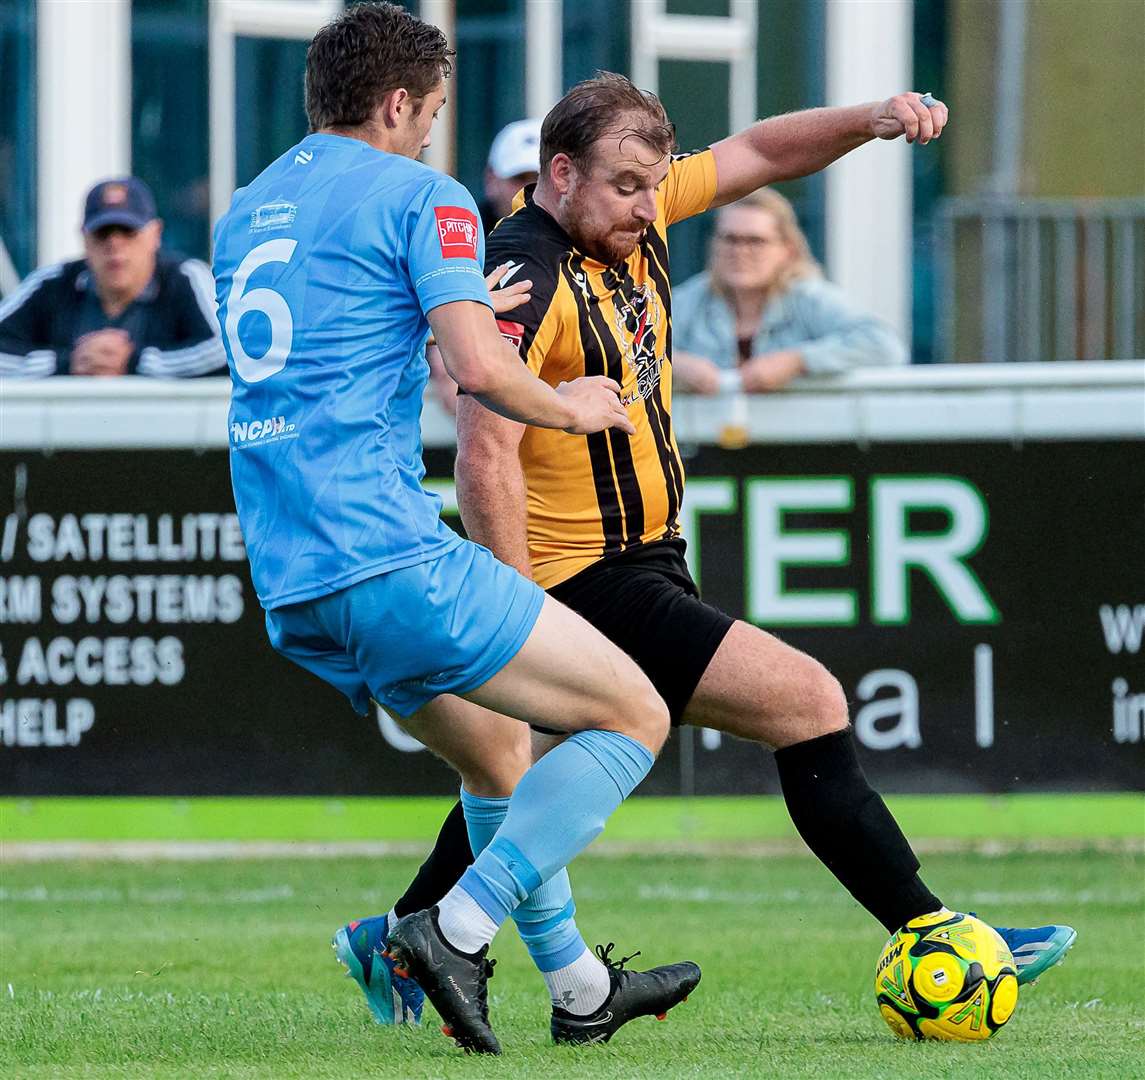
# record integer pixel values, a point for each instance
(1007, 402)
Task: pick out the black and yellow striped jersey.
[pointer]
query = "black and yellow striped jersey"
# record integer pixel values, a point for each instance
(593, 496)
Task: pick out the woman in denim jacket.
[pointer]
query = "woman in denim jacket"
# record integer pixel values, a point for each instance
(762, 307)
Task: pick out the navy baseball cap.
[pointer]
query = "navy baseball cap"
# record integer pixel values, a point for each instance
(127, 201)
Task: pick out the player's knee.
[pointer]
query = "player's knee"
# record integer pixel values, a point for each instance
(648, 721)
(824, 704)
(630, 705)
(494, 772)
(511, 767)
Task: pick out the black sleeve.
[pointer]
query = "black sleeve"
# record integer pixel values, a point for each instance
(26, 347)
(520, 325)
(198, 346)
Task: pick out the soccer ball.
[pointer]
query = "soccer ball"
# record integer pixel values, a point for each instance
(946, 976)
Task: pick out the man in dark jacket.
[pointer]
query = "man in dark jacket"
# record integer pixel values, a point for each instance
(126, 308)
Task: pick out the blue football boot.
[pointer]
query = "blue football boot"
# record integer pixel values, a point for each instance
(361, 946)
(1037, 949)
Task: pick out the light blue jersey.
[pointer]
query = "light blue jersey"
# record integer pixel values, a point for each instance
(325, 269)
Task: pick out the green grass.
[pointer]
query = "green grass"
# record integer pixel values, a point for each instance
(222, 969)
(971, 817)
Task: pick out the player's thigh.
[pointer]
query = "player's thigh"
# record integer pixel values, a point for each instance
(490, 751)
(441, 626)
(296, 634)
(760, 688)
(568, 676)
(651, 610)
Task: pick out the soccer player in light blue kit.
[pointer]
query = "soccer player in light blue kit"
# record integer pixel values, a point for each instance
(332, 266)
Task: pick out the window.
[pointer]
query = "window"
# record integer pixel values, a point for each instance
(169, 105)
(928, 181)
(17, 137)
(790, 75)
(488, 86)
(270, 112)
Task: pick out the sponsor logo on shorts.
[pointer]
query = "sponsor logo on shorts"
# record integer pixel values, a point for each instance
(457, 232)
(512, 332)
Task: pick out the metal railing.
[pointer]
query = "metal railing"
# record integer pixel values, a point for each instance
(1030, 279)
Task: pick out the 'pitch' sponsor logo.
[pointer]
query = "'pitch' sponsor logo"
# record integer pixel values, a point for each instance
(456, 232)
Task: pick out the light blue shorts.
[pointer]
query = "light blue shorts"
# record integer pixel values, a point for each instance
(406, 636)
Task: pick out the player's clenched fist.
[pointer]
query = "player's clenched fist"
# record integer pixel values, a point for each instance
(917, 116)
(596, 405)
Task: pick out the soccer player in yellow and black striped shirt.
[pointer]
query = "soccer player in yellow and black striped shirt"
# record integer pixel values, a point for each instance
(594, 518)
(594, 498)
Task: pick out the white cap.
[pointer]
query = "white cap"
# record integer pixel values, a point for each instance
(517, 149)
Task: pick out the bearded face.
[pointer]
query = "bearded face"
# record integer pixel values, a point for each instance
(610, 199)
(603, 226)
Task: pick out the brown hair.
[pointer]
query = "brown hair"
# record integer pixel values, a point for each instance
(607, 104)
(802, 265)
(370, 50)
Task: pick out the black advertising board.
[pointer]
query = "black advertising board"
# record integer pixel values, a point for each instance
(982, 604)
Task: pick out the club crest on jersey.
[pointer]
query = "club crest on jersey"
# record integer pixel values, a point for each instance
(456, 232)
(636, 317)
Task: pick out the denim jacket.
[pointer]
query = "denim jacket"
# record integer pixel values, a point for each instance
(813, 316)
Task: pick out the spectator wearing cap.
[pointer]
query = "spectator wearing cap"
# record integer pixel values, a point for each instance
(514, 161)
(125, 308)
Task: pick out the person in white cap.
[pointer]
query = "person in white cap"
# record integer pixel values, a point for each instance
(514, 161)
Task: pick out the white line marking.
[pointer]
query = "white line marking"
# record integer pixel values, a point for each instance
(210, 850)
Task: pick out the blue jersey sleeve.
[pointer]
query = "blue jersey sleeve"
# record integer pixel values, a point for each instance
(446, 246)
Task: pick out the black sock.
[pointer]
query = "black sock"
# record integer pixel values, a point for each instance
(449, 859)
(845, 822)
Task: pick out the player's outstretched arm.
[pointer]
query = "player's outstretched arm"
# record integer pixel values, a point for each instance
(483, 364)
(799, 143)
(491, 483)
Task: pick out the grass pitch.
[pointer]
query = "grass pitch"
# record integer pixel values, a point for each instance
(414, 821)
(223, 969)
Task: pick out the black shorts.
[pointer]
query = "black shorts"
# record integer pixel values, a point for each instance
(646, 602)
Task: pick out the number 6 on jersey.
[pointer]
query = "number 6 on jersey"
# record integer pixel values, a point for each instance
(270, 303)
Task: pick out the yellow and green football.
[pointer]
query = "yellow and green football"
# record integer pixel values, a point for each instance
(946, 976)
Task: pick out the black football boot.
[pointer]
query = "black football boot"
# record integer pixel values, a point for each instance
(633, 994)
(454, 982)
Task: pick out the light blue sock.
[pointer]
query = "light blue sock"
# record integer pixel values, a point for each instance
(560, 806)
(545, 917)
